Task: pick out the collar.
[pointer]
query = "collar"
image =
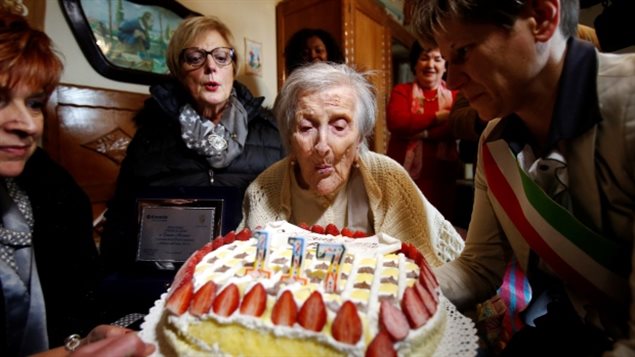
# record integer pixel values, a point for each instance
(576, 109)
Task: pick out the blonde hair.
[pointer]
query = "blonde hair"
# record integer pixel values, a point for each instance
(187, 32)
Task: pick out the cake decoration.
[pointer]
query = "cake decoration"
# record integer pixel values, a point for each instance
(289, 290)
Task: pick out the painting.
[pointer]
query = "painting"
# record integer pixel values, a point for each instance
(125, 40)
(253, 57)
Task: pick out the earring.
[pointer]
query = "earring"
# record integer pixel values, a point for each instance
(292, 162)
(356, 164)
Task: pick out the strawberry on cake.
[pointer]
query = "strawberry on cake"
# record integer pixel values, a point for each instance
(284, 290)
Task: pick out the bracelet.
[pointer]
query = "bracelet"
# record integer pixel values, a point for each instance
(72, 342)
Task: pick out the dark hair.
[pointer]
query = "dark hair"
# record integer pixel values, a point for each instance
(27, 55)
(428, 15)
(415, 52)
(294, 50)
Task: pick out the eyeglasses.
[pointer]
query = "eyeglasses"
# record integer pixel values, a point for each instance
(196, 57)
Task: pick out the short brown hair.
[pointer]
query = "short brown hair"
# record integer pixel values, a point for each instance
(428, 15)
(27, 55)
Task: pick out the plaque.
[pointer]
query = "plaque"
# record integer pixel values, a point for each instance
(170, 230)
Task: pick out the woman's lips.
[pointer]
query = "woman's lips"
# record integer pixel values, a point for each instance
(323, 169)
(15, 151)
(212, 86)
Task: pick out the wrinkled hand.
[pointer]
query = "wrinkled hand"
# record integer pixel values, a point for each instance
(107, 340)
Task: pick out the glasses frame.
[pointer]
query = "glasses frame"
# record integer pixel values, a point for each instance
(232, 55)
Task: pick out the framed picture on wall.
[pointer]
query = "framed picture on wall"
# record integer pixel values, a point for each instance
(253, 57)
(125, 40)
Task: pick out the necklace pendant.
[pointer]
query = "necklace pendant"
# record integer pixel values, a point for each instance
(217, 142)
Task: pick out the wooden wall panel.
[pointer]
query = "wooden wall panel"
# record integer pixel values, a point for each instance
(87, 131)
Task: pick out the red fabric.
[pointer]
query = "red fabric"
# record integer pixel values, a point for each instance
(437, 177)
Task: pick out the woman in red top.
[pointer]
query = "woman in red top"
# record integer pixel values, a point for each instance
(421, 137)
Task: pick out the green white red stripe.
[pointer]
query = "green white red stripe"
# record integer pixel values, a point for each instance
(578, 255)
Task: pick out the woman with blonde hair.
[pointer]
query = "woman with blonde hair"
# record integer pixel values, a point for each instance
(201, 129)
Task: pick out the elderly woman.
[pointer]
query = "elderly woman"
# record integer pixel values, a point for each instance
(325, 111)
(48, 259)
(200, 129)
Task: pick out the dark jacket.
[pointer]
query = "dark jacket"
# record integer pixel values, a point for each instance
(158, 157)
(65, 253)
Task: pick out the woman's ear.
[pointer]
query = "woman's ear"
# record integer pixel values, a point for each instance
(546, 18)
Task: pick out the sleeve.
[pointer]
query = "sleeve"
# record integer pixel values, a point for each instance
(626, 346)
(64, 248)
(441, 131)
(118, 242)
(400, 120)
(414, 221)
(262, 202)
(478, 272)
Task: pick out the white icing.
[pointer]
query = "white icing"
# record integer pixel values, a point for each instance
(362, 250)
(402, 275)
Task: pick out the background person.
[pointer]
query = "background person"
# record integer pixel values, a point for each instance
(309, 45)
(420, 133)
(200, 129)
(135, 34)
(48, 260)
(325, 111)
(554, 180)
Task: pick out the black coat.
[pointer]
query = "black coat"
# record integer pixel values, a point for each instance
(65, 253)
(158, 158)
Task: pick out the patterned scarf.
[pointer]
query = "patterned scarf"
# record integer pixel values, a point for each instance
(11, 236)
(220, 143)
(443, 96)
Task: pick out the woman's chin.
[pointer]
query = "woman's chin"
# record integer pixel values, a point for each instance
(326, 188)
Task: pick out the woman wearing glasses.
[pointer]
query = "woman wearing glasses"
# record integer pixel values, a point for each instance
(200, 129)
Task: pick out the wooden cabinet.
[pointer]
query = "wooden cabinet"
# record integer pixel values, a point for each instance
(366, 35)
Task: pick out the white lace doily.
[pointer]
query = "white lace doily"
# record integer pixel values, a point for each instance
(148, 327)
(459, 338)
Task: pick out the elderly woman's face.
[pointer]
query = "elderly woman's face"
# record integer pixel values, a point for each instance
(21, 125)
(211, 84)
(429, 69)
(325, 139)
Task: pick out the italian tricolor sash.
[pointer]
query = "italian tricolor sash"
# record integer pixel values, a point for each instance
(579, 256)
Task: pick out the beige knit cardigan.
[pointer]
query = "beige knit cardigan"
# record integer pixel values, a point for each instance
(398, 207)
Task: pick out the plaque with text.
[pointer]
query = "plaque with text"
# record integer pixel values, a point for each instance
(170, 230)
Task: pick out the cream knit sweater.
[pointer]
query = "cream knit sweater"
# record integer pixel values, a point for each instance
(398, 207)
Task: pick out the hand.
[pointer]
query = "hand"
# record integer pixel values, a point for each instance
(442, 115)
(104, 331)
(114, 343)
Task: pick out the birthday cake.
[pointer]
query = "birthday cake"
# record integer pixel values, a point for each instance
(285, 290)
